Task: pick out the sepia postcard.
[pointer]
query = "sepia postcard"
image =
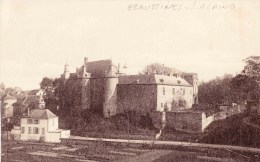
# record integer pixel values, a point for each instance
(130, 80)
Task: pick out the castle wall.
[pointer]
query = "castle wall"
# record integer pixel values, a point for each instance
(185, 121)
(97, 90)
(139, 97)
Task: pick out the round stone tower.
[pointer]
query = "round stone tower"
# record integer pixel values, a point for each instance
(110, 92)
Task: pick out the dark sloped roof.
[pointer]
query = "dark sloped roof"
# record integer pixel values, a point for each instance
(30, 99)
(33, 92)
(99, 68)
(153, 79)
(8, 96)
(41, 114)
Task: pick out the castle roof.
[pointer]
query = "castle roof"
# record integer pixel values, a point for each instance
(41, 114)
(153, 79)
(100, 68)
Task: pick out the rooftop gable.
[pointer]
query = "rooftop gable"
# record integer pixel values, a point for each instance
(41, 114)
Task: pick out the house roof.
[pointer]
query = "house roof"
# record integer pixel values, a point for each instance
(30, 99)
(153, 79)
(41, 114)
(34, 92)
(8, 97)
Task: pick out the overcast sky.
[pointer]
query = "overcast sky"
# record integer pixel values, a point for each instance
(39, 36)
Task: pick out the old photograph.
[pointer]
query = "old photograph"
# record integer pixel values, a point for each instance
(130, 80)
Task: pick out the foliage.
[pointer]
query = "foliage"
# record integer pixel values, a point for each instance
(174, 104)
(216, 91)
(245, 87)
(51, 87)
(252, 67)
(182, 103)
(228, 89)
(223, 131)
(157, 68)
(46, 83)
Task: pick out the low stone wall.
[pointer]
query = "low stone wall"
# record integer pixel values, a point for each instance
(185, 121)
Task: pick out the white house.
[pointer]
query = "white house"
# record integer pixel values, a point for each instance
(8, 109)
(42, 125)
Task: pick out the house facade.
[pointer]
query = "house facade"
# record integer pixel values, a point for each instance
(40, 124)
(8, 109)
(149, 93)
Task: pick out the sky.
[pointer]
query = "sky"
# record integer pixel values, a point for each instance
(37, 37)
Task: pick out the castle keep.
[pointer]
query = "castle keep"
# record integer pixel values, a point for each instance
(103, 87)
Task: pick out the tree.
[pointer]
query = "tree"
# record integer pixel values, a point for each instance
(51, 87)
(228, 89)
(216, 91)
(182, 103)
(245, 87)
(246, 84)
(46, 83)
(252, 67)
(156, 68)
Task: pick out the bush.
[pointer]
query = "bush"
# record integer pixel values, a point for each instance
(182, 103)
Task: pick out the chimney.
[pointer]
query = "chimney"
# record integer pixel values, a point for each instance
(85, 60)
(118, 68)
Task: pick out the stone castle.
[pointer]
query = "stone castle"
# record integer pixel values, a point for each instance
(104, 87)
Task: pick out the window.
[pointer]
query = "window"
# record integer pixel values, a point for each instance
(43, 130)
(36, 121)
(29, 130)
(35, 130)
(191, 92)
(163, 90)
(173, 91)
(52, 121)
(22, 129)
(29, 121)
(161, 104)
(183, 91)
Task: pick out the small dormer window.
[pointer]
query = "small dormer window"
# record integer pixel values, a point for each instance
(179, 82)
(161, 80)
(36, 121)
(29, 121)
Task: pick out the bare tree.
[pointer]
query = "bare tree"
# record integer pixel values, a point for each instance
(157, 68)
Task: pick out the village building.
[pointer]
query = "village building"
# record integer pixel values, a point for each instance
(32, 100)
(7, 106)
(149, 93)
(40, 124)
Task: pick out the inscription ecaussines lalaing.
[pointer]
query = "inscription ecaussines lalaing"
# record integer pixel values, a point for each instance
(179, 6)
